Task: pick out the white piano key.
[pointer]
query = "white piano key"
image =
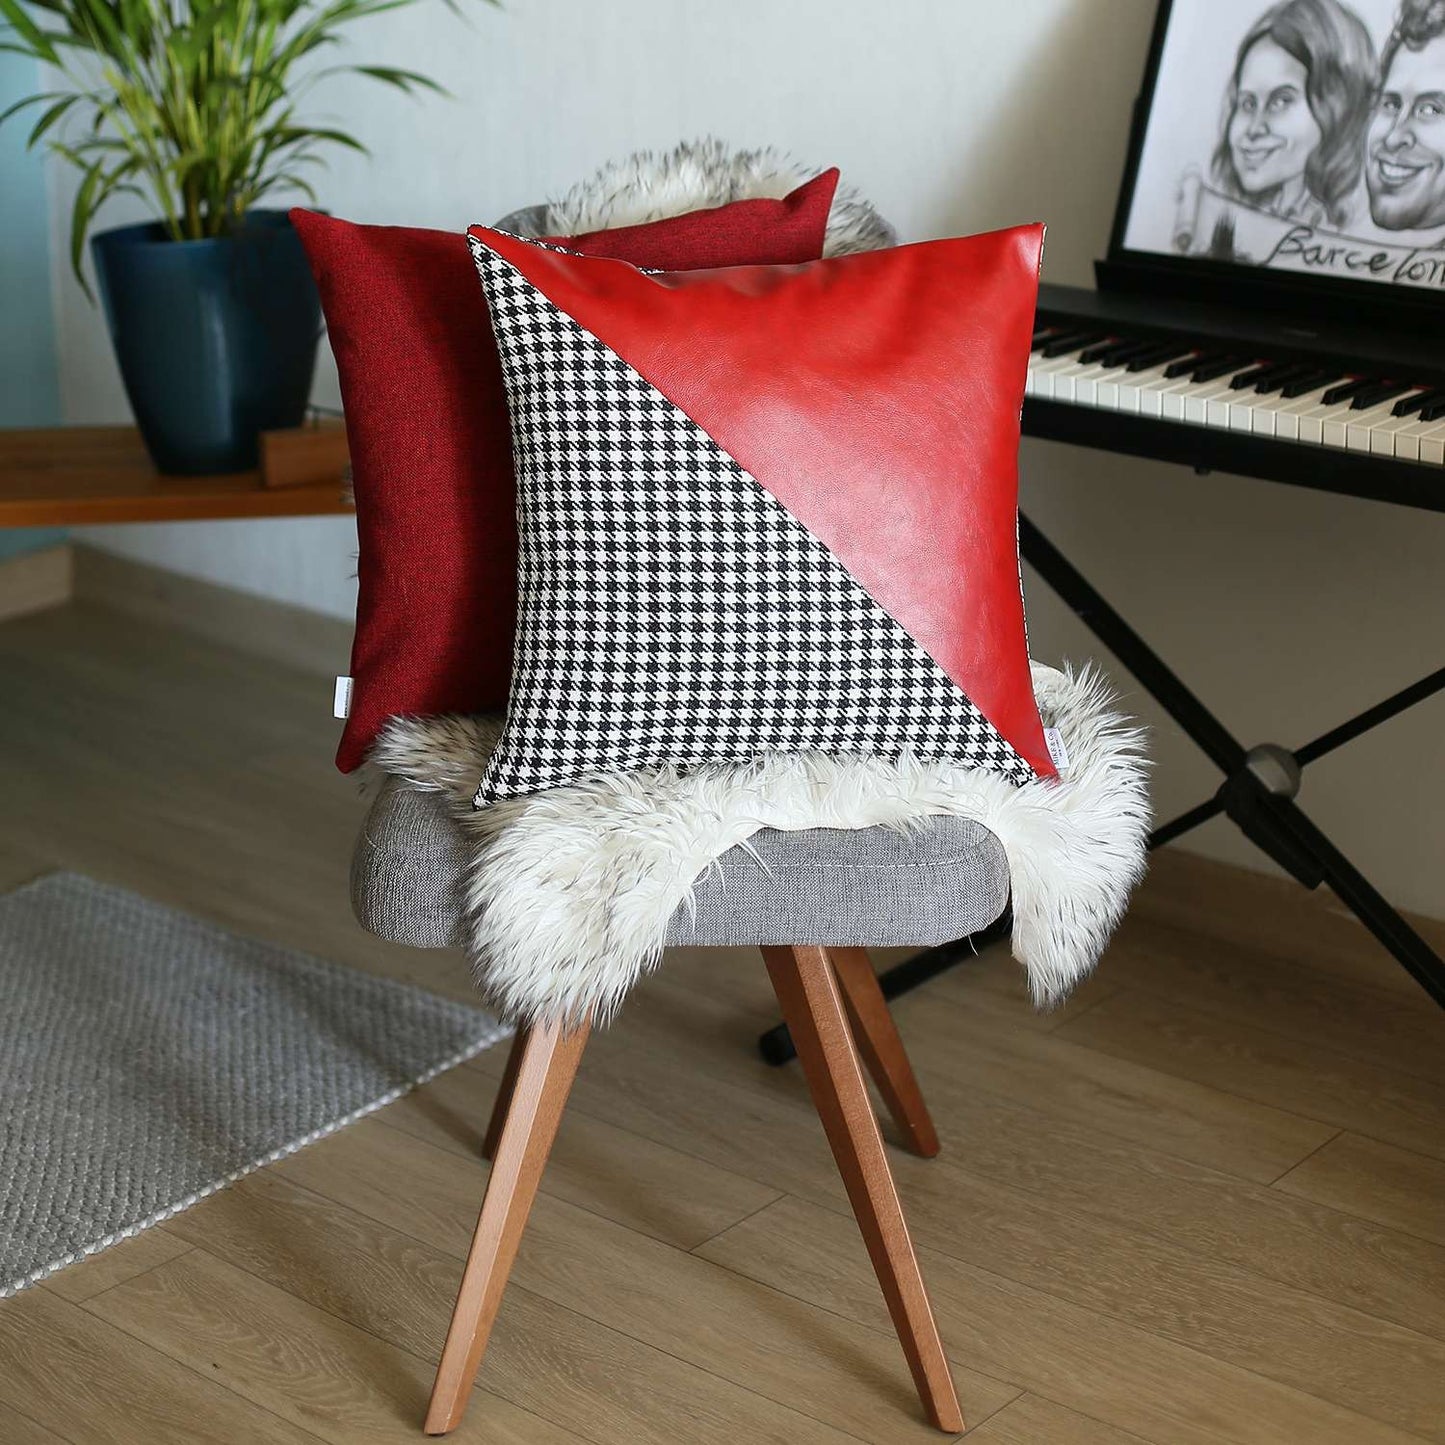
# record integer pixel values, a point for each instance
(1287, 415)
(1153, 399)
(1065, 378)
(1106, 388)
(1043, 373)
(1086, 384)
(1090, 390)
(1242, 413)
(1382, 437)
(1196, 402)
(1333, 428)
(1131, 388)
(1432, 446)
(1408, 438)
(1360, 429)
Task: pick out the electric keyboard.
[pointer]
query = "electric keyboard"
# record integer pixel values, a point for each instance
(1356, 410)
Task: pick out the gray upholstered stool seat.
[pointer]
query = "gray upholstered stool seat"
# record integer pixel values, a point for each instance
(870, 887)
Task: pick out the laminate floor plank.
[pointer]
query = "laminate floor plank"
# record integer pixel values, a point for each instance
(96, 1384)
(647, 1186)
(1131, 1378)
(1335, 1089)
(752, 1336)
(18, 1429)
(545, 1358)
(87, 1277)
(334, 1381)
(1404, 1032)
(1374, 1181)
(1032, 1420)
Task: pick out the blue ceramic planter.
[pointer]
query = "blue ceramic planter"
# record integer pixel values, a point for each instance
(216, 339)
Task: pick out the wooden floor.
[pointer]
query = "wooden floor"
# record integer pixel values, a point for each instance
(1202, 1203)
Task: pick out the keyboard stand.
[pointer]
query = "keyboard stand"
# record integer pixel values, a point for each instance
(1257, 794)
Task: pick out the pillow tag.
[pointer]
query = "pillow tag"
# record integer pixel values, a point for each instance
(1054, 739)
(341, 703)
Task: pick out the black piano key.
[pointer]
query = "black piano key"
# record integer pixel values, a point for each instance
(1310, 381)
(1435, 411)
(1099, 351)
(1042, 335)
(1121, 351)
(1374, 395)
(1186, 364)
(1157, 355)
(1213, 370)
(1410, 404)
(1350, 387)
(1280, 377)
(1068, 341)
(1254, 374)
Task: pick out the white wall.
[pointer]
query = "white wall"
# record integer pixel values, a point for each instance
(1286, 609)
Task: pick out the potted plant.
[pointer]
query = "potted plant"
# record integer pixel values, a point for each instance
(191, 104)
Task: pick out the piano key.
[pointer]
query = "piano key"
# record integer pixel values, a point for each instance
(1432, 446)
(1433, 410)
(1312, 422)
(1197, 399)
(1361, 427)
(1212, 370)
(1409, 437)
(1287, 415)
(1244, 407)
(1123, 393)
(1086, 388)
(1044, 372)
(1282, 376)
(1100, 351)
(1158, 355)
(1068, 341)
(1372, 396)
(1310, 381)
(1382, 437)
(1347, 389)
(1041, 335)
(1064, 379)
(1253, 374)
(1186, 364)
(1151, 395)
(1408, 404)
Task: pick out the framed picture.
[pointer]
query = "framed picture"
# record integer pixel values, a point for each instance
(1303, 139)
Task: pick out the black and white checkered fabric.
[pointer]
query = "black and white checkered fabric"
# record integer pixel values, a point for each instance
(671, 610)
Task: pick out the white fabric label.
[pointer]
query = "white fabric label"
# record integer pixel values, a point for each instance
(1057, 751)
(341, 706)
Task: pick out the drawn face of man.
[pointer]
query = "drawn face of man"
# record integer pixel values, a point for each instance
(1272, 131)
(1405, 172)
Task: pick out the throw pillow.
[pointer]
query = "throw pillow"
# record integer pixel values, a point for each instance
(431, 460)
(765, 508)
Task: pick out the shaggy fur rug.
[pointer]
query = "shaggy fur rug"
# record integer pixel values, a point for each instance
(569, 892)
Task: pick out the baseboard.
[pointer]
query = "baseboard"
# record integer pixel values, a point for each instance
(308, 641)
(35, 581)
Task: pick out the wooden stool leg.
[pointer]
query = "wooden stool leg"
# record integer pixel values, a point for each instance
(812, 1005)
(882, 1049)
(545, 1070)
(505, 1090)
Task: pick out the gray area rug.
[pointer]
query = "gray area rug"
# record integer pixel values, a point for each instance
(147, 1058)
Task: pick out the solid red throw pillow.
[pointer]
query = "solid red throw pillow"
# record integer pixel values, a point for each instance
(766, 509)
(427, 426)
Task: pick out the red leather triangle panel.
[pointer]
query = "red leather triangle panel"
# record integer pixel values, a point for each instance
(877, 396)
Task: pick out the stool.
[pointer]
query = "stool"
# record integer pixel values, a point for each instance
(813, 901)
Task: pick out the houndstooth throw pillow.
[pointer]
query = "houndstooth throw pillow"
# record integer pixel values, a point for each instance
(672, 609)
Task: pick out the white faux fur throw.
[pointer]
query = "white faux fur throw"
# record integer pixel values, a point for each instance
(704, 173)
(569, 892)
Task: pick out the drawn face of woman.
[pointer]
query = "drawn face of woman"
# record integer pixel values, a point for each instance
(1272, 131)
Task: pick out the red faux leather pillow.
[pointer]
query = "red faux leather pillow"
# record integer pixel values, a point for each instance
(427, 426)
(766, 509)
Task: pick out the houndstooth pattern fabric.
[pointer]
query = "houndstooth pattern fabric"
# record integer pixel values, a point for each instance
(671, 611)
